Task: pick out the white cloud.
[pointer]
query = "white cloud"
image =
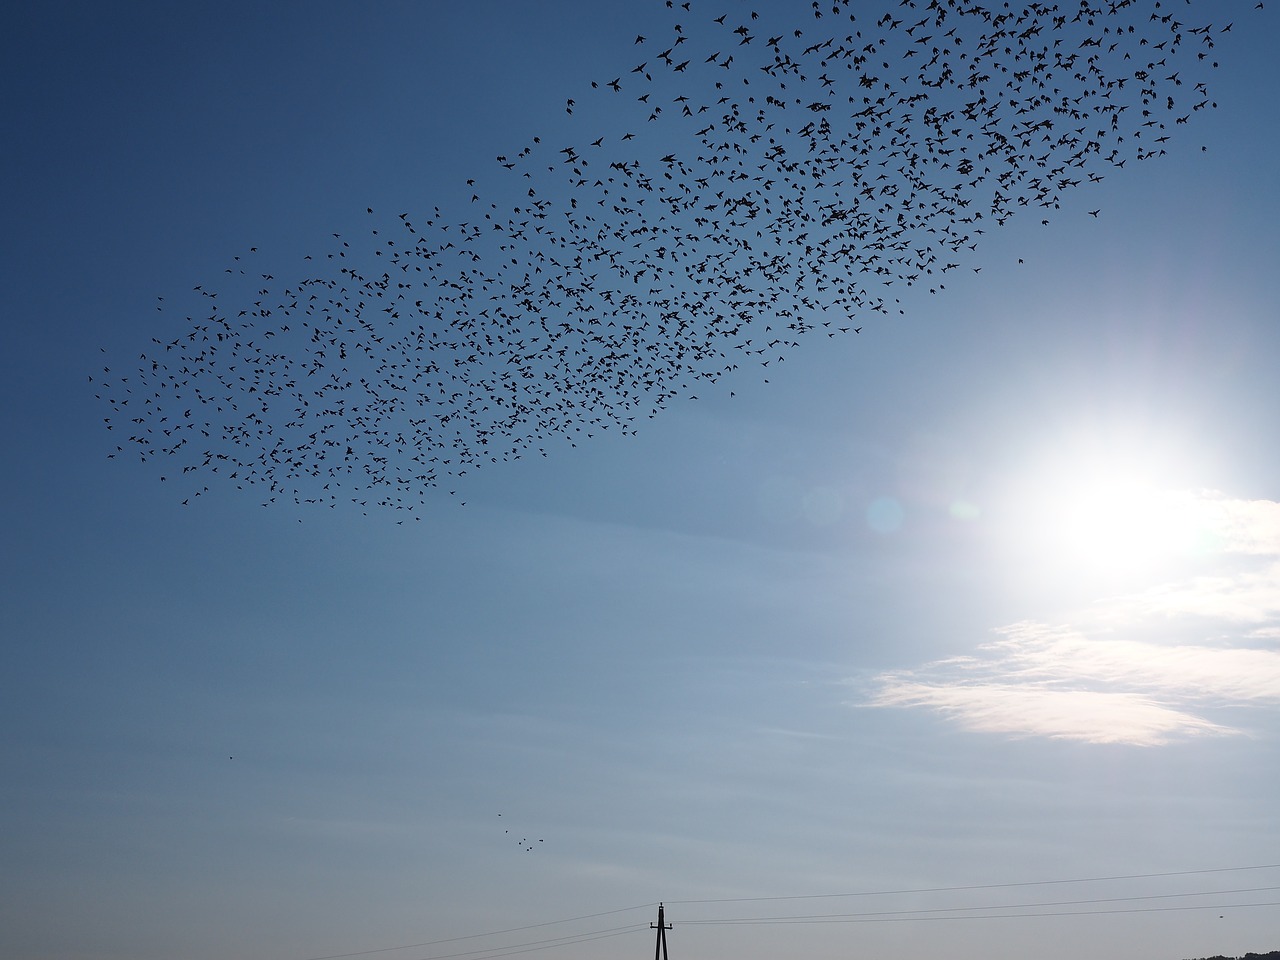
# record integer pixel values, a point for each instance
(1100, 683)
(1247, 597)
(1245, 526)
(1026, 710)
(1038, 654)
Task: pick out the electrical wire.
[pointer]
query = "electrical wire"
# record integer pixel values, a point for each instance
(982, 886)
(920, 911)
(1019, 916)
(881, 916)
(535, 945)
(477, 936)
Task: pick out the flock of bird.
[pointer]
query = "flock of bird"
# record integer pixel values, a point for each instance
(525, 843)
(753, 179)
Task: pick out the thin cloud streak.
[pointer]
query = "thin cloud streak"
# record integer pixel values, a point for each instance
(1251, 597)
(1245, 526)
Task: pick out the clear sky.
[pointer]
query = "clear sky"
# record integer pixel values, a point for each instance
(983, 597)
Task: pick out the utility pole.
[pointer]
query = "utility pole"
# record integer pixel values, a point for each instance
(660, 945)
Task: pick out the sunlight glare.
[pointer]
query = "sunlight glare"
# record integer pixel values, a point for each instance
(1119, 522)
(1111, 510)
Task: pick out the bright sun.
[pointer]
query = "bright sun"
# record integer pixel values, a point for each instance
(1118, 522)
(1108, 510)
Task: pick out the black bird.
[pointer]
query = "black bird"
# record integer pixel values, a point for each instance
(827, 169)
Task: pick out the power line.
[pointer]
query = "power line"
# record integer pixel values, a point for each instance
(477, 936)
(983, 886)
(875, 918)
(920, 911)
(531, 946)
(833, 918)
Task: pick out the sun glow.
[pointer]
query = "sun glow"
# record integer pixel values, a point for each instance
(1111, 512)
(1123, 523)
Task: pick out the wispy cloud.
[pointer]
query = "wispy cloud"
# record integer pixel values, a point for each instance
(1240, 541)
(1244, 598)
(1026, 711)
(1098, 683)
(1245, 526)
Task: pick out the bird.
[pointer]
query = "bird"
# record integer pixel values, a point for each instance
(808, 177)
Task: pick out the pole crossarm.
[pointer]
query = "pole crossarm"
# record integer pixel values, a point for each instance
(660, 942)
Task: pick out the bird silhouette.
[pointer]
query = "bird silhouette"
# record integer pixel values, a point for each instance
(831, 160)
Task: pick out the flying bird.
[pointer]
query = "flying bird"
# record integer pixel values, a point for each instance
(808, 178)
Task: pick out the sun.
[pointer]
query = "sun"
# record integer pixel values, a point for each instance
(1119, 522)
(1116, 510)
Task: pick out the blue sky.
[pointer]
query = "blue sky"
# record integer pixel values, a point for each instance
(987, 594)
